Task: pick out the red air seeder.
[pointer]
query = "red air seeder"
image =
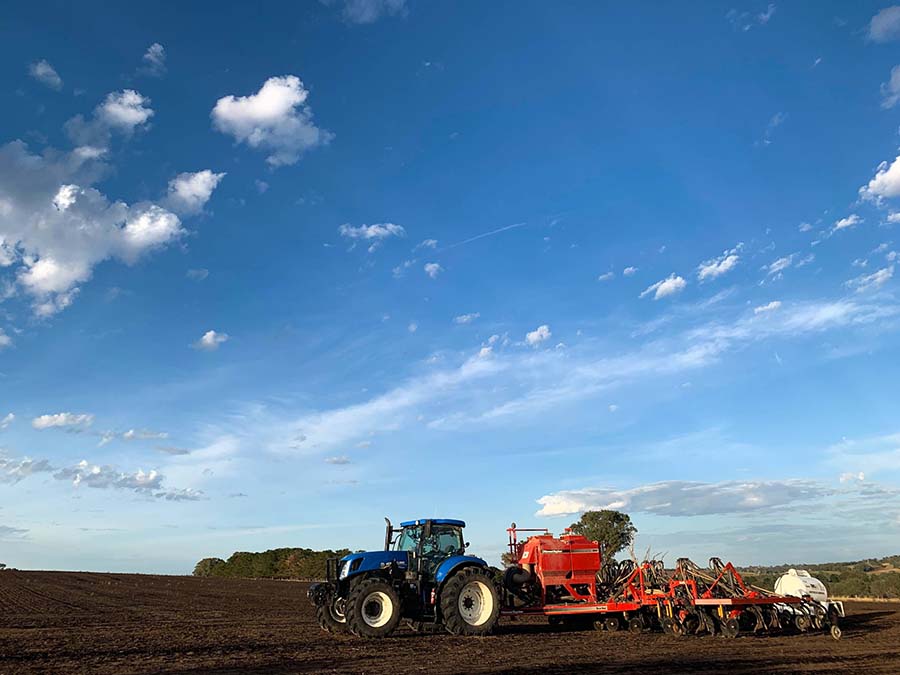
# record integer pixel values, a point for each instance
(566, 579)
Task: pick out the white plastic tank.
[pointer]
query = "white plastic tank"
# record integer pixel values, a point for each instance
(799, 583)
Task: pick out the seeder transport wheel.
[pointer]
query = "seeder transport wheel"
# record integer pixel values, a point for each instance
(635, 625)
(836, 631)
(612, 623)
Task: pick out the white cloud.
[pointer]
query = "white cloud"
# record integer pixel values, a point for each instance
(122, 112)
(885, 184)
(125, 110)
(716, 267)
(85, 474)
(55, 228)
(890, 90)
(197, 274)
(686, 498)
(144, 435)
(629, 271)
(189, 192)
(46, 74)
(369, 11)
(849, 477)
(869, 282)
(5, 340)
(669, 286)
(261, 186)
(538, 335)
(6, 421)
(885, 26)
(400, 269)
(276, 120)
(466, 318)
(771, 307)
(805, 227)
(774, 122)
(778, 266)
(432, 269)
(485, 352)
(850, 221)
(154, 61)
(893, 217)
(14, 470)
(427, 243)
(412, 327)
(210, 341)
(612, 407)
(376, 232)
(606, 276)
(745, 21)
(62, 420)
(342, 459)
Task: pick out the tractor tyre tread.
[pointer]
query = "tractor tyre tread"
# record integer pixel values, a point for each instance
(327, 622)
(354, 612)
(449, 602)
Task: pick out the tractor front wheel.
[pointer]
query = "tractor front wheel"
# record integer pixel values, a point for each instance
(469, 602)
(372, 609)
(330, 616)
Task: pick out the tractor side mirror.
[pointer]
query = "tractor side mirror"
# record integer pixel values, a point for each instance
(465, 546)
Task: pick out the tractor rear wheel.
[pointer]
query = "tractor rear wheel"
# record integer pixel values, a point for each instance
(372, 609)
(330, 616)
(469, 602)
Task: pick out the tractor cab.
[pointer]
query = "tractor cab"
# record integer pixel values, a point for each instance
(431, 541)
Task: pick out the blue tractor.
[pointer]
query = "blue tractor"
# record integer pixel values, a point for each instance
(423, 575)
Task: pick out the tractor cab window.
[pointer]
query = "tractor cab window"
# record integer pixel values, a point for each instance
(445, 540)
(409, 539)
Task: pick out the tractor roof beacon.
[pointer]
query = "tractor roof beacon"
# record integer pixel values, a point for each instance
(423, 576)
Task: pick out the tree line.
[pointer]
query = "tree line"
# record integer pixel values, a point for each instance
(278, 563)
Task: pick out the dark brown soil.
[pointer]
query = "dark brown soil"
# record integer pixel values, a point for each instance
(66, 622)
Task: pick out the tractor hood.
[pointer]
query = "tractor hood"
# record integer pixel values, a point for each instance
(356, 563)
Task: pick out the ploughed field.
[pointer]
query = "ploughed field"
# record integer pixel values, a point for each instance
(69, 622)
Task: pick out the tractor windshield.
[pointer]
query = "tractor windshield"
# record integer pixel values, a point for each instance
(409, 538)
(444, 540)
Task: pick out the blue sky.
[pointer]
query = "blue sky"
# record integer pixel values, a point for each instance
(269, 276)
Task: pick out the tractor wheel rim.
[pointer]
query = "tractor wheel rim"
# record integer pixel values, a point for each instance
(377, 609)
(476, 603)
(337, 611)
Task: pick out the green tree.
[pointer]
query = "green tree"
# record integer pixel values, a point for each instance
(208, 567)
(612, 529)
(508, 559)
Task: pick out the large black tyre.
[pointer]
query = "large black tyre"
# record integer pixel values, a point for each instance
(372, 608)
(330, 617)
(470, 604)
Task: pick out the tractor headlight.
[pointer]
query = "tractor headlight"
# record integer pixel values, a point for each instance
(345, 570)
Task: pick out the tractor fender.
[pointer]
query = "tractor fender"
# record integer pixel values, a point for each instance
(453, 563)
